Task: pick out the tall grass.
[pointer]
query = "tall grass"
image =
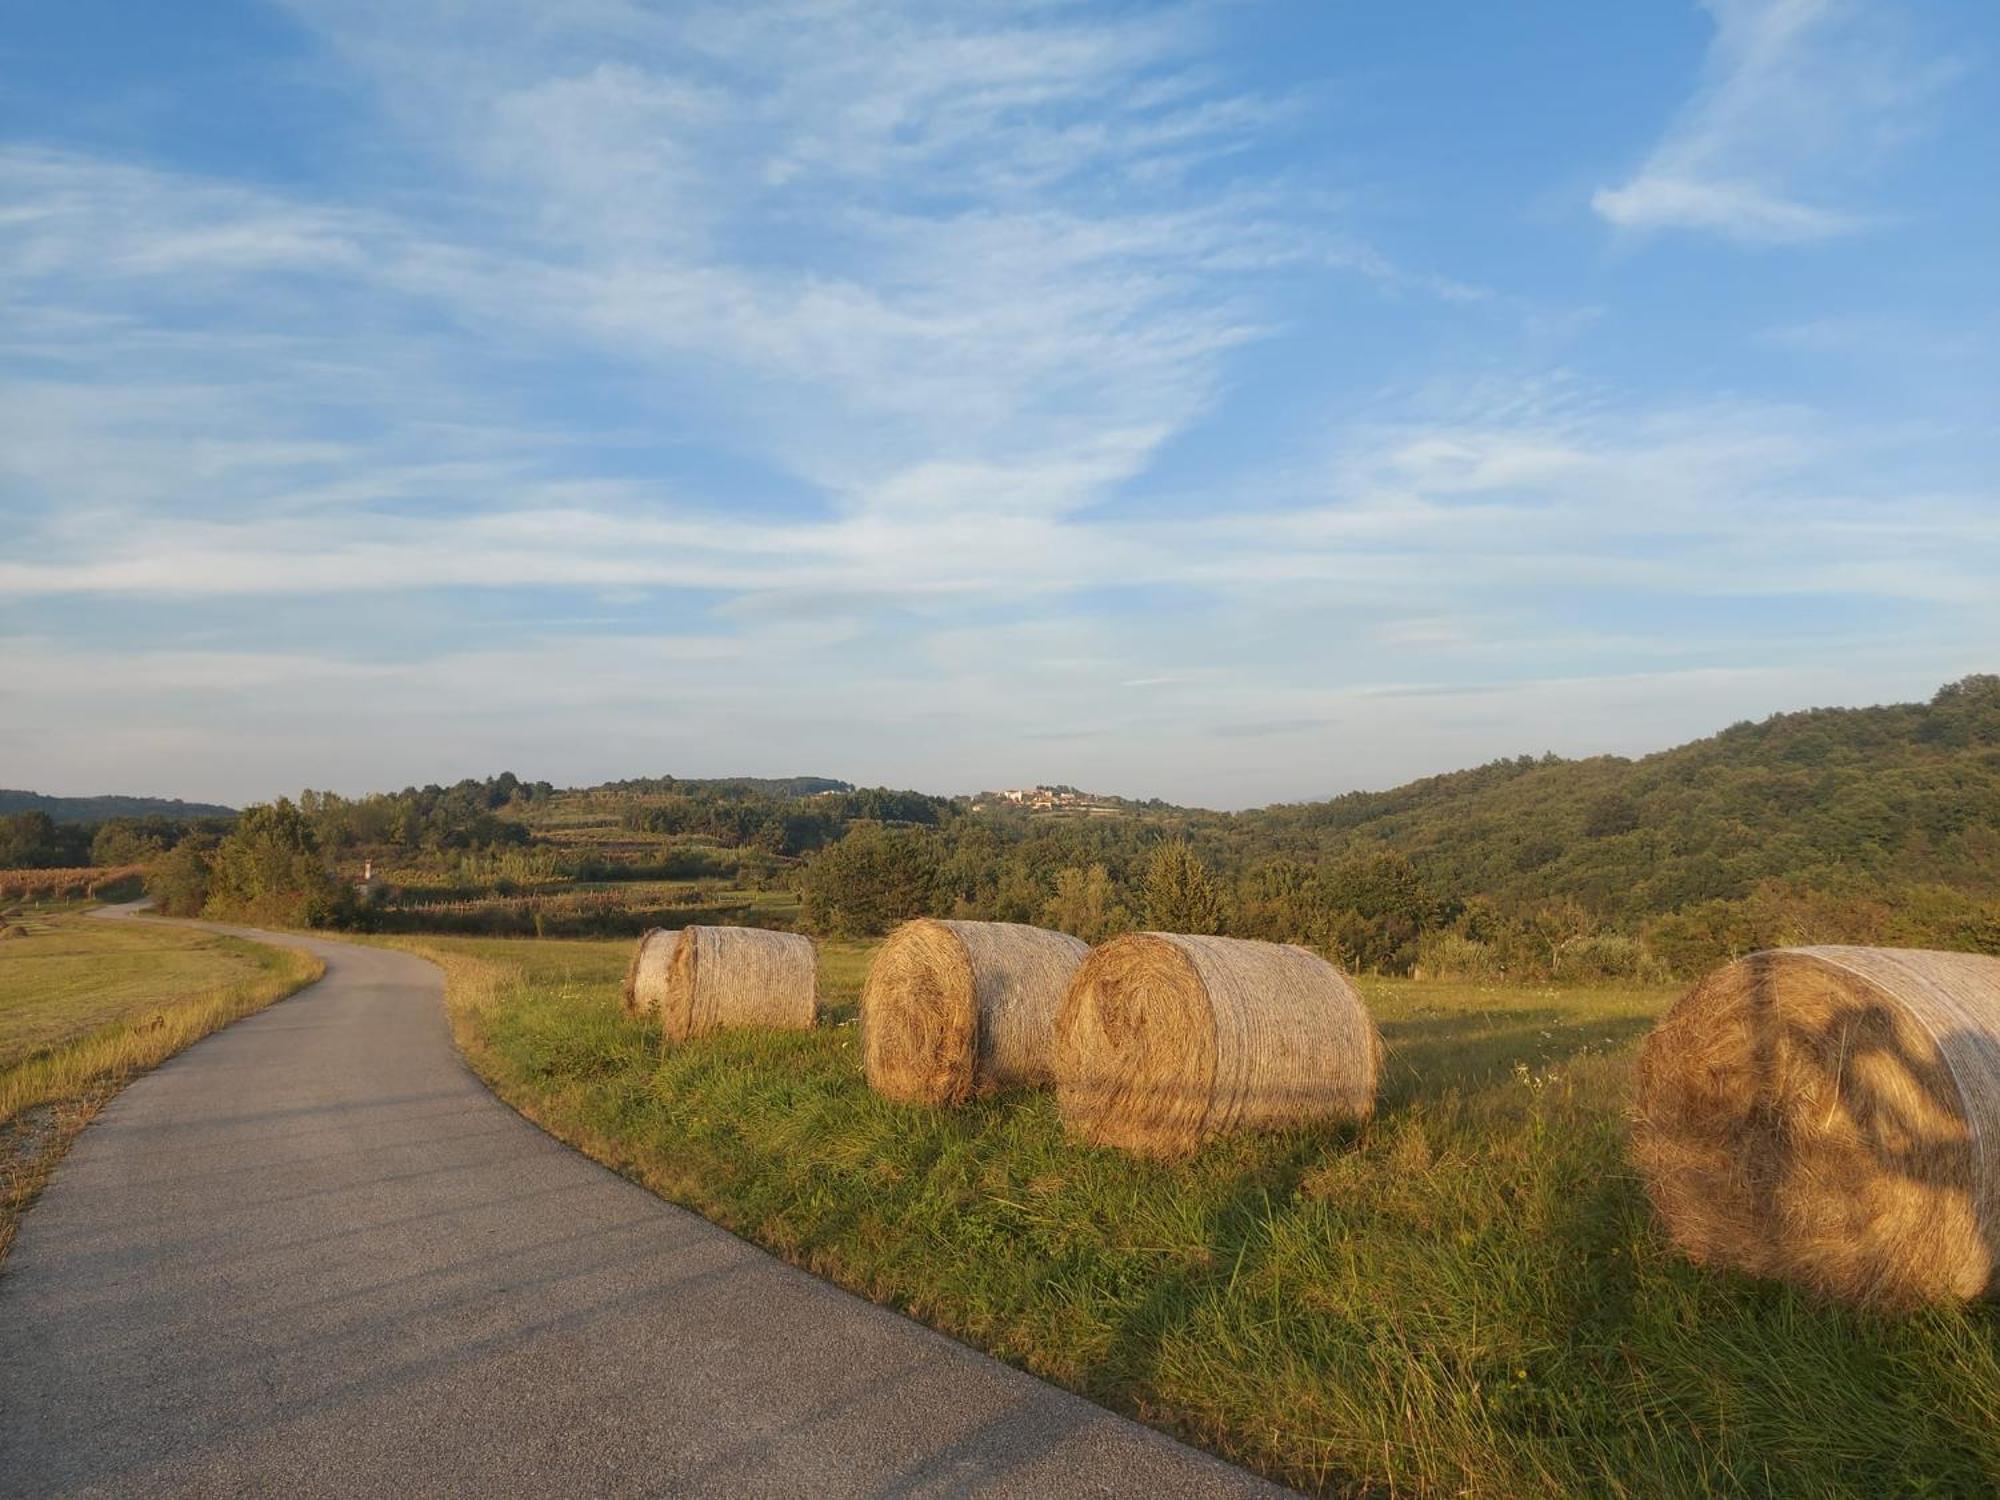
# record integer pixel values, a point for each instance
(1466, 1297)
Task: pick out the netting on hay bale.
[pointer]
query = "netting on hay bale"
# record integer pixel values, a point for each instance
(646, 976)
(954, 1008)
(1166, 1039)
(721, 978)
(1831, 1116)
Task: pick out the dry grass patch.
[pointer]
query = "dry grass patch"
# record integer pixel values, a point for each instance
(86, 1006)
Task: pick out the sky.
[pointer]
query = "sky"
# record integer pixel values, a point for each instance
(1229, 402)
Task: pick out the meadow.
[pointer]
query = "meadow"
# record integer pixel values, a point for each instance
(87, 1005)
(1466, 1296)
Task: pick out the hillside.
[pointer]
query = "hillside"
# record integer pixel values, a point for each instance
(102, 809)
(1864, 824)
(1906, 794)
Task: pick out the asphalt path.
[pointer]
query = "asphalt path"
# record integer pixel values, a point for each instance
(313, 1256)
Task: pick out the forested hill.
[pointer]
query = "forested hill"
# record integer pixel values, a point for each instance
(1849, 825)
(101, 809)
(1844, 798)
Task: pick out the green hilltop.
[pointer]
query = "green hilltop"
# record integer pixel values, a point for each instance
(1907, 794)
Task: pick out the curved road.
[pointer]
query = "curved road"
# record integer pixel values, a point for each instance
(312, 1255)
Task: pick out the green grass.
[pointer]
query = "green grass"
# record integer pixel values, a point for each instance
(1466, 1297)
(87, 1005)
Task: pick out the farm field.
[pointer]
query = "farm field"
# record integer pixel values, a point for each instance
(86, 1005)
(64, 976)
(1467, 1296)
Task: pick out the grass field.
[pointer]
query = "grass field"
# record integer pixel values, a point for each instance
(85, 1005)
(1465, 1298)
(70, 976)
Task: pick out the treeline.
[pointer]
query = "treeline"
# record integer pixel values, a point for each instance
(465, 815)
(276, 864)
(1861, 825)
(269, 869)
(430, 819)
(736, 814)
(35, 841)
(1857, 825)
(725, 787)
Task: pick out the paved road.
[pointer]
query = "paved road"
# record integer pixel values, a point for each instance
(313, 1256)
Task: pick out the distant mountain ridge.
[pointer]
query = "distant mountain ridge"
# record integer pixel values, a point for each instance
(98, 809)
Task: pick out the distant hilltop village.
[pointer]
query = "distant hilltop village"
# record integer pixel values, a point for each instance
(1048, 799)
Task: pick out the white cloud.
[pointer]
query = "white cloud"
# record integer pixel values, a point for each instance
(1797, 100)
(788, 386)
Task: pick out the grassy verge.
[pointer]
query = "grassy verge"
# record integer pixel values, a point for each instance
(86, 1006)
(1467, 1297)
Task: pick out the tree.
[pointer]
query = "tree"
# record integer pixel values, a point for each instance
(179, 883)
(31, 840)
(1085, 904)
(269, 870)
(872, 879)
(1556, 927)
(1378, 908)
(1181, 896)
(132, 841)
(1278, 900)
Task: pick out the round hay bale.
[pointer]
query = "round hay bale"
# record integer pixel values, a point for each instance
(1165, 1040)
(950, 1008)
(646, 975)
(721, 978)
(1831, 1117)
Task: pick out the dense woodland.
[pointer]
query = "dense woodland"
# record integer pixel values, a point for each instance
(1868, 825)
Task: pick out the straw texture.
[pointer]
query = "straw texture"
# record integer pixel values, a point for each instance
(646, 975)
(726, 977)
(1166, 1039)
(954, 1008)
(1831, 1116)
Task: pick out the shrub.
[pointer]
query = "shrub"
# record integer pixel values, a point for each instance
(1181, 896)
(179, 883)
(1610, 956)
(269, 870)
(1451, 955)
(872, 879)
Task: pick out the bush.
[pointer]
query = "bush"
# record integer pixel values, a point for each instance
(1451, 955)
(872, 879)
(179, 882)
(1606, 956)
(269, 870)
(1181, 895)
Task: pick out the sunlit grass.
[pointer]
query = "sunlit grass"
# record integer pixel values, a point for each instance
(85, 1006)
(65, 976)
(1465, 1297)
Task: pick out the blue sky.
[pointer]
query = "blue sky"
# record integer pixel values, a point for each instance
(1227, 403)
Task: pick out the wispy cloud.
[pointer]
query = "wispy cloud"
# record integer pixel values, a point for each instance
(1797, 99)
(848, 376)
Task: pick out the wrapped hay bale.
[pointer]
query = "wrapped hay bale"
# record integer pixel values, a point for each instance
(725, 977)
(1165, 1040)
(646, 975)
(1831, 1117)
(954, 1007)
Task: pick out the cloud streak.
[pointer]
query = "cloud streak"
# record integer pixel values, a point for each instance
(710, 383)
(1797, 98)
